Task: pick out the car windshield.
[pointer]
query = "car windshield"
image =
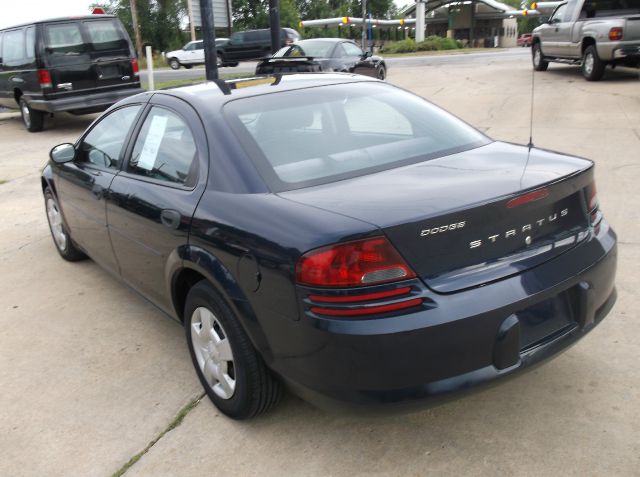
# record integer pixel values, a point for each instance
(316, 48)
(318, 135)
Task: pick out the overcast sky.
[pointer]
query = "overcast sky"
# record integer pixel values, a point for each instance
(13, 12)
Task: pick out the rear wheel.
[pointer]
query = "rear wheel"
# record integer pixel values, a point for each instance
(65, 246)
(381, 72)
(592, 66)
(228, 366)
(188, 67)
(33, 120)
(174, 64)
(539, 63)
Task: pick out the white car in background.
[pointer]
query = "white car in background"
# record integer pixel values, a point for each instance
(191, 54)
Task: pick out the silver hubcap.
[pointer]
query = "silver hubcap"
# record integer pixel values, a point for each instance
(213, 352)
(536, 56)
(588, 63)
(25, 114)
(55, 222)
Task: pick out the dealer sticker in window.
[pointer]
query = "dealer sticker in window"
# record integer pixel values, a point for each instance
(152, 143)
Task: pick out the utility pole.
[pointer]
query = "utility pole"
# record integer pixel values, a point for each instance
(209, 40)
(364, 25)
(274, 24)
(136, 27)
(192, 25)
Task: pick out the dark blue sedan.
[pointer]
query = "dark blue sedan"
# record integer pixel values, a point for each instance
(337, 235)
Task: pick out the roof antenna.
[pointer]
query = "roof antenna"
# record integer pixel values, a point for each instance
(533, 75)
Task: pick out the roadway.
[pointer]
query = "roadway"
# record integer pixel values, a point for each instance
(499, 54)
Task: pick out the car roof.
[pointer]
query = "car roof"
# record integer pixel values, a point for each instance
(328, 40)
(205, 95)
(59, 19)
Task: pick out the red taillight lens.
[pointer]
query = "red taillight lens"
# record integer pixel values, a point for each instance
(364, 262)
(529, 197)
(135, 67)
(615, 34)
(44, 78)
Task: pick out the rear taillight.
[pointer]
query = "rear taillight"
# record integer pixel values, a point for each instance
(135, 67)
(615, 34)
(351, 264)
(592, 204)
(44, 78)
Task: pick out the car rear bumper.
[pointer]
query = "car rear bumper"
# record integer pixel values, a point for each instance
(86, 102)
(468, 339)
(627, 53)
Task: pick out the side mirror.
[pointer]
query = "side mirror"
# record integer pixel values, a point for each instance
(367, 54)
(63, 153)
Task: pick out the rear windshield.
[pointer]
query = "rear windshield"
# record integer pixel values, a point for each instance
(604, 8)
(316, 48)
(64, 39)
(318, 135)
(105, 35)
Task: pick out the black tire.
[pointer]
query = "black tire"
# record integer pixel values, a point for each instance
(592, 66)
(256, 390)
(187, 67)
(174, 63)
(537, 58)
(233, 63)
(69, 251)
(381, 73)
(33, 120)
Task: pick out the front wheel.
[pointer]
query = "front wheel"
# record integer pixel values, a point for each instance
(592, 66)
(381, 73)
(33, 120)
(539, 63)
(231, 371)
(65, 246)
(174, 64)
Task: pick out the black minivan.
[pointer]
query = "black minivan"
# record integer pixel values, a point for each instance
(252, 45)
(78, 65)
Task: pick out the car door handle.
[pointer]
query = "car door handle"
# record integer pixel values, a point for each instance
(170, 218)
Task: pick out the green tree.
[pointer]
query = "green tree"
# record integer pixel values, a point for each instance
(160, 20)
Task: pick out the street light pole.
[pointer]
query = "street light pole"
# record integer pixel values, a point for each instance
(274, 24)
(192, 26)
(209, 40)
(364, 25)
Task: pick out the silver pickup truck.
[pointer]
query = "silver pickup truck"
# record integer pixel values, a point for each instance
(591, 33)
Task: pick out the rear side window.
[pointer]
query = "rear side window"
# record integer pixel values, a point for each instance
(13, 48)
(105, 35)
(318, 135)
(64, 41)
(165, 149)
(30, 39)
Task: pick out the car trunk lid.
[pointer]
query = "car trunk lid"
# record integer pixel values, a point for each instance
(470, 218)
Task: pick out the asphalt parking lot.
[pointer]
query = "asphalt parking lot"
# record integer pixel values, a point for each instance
(91, 374)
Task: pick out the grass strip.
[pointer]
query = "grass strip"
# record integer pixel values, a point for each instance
(200, 79)
(172, 425)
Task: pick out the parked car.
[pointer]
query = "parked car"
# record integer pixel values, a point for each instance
(78, 65)
(191, 54)
(252, 45)
(335, 234)
(589, 33)
(524, 40)
(324, 54)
